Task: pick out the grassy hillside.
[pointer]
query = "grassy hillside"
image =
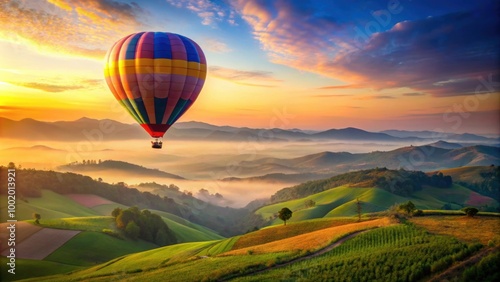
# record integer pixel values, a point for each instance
(91, 248)
(482, 179)
(341, 202)
(185, 231)
(203, 260)
(28, 268)
(49, 205)
(399, 182)
(59, 211)
(390, 252)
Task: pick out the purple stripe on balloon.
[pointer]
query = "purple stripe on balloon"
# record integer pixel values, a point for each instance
(145, 46)
(189, 86)
(162, 84)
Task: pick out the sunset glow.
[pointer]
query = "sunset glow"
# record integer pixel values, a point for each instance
(321, 65)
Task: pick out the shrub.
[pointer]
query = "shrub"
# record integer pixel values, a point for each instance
(470, 211)
(112, 233)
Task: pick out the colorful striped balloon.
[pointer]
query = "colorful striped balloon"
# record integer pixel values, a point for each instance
(156, 76)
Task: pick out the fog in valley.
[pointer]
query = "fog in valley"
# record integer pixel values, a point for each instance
(203, 165)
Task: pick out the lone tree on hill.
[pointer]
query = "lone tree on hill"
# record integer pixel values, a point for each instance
(358, 208)
(470, 211)
(285, 214)
(37, 217)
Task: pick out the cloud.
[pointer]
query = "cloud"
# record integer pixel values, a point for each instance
(56, 88)
(12, 108)
(330, 95)
(372, 97)
(215, 45)
(210, 12)
(413, 94)
(442, 55)
(244, 77)
(47, 87)
(81, 28)
(348, 86)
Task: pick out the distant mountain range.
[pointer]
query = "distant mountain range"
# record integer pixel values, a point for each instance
(434, 156)
(93, 129)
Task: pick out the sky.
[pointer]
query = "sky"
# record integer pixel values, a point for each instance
(374, 65)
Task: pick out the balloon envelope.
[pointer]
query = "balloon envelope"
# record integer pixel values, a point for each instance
(156, 76)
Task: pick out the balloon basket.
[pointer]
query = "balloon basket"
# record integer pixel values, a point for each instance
(156, 144)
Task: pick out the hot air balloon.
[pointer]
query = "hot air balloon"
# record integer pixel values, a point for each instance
(156, 77)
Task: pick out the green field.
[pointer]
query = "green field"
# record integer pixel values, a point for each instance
(28, 268)
(184, 230)
(90, 223)
(341, 202)
(59, 211)
(398, 252)
(50, 205)
(91, 248)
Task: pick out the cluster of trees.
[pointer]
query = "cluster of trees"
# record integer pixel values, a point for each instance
(144, 225)
(400, 182)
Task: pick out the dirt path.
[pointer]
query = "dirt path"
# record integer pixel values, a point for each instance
(315, 254)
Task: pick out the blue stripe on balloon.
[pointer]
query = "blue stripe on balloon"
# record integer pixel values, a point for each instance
(160, 106)
(130, 53)
(179, 109)
(192, 53)
(142, 110)
(162, 49)
(186, 107)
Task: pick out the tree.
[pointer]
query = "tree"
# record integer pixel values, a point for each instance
(309, 203)
(285, 214)
(116, 212)
(132, 230)
(358, 208)
(408, 207)
(37, 217)
(470, 211)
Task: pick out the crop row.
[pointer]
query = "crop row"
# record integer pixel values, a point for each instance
(395, 253)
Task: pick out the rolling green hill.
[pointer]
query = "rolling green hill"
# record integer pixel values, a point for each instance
(386, 252)
(341, 202)
(59, 211)
(49, 205)
(482, 179)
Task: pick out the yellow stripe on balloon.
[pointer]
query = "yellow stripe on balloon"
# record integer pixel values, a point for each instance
(158, 66)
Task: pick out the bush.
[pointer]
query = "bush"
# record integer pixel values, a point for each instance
(419, 213)
(112, 233)
(470, 211)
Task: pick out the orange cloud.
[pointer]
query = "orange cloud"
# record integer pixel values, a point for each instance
(81, 28)
(242, 77)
